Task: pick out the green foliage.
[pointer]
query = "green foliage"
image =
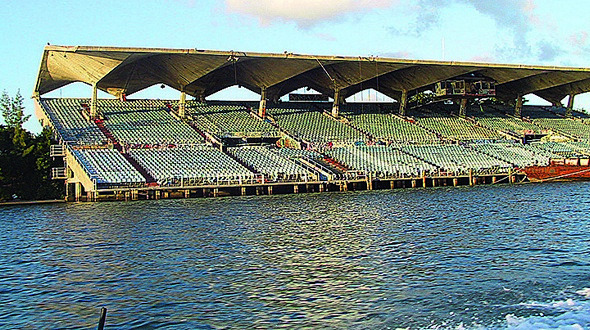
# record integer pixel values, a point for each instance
(25, 164)
(13, 110)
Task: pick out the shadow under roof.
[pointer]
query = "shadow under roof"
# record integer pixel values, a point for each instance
(201, 73)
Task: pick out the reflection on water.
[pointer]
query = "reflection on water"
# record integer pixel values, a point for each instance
(407, 258)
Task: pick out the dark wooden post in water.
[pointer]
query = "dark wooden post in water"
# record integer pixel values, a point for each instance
(103, 318)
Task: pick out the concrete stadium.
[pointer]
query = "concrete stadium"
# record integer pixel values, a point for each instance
(449, 124)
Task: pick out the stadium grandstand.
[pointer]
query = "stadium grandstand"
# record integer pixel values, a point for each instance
(471, 126)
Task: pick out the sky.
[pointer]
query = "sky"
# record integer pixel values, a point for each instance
(543, 32)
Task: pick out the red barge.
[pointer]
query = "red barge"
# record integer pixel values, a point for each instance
(560, 170)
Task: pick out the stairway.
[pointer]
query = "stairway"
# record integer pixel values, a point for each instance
(149, 179)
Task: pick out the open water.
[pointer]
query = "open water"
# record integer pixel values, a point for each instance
(487, 257)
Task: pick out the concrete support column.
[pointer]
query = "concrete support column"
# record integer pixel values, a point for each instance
(463, 107)
(370, 182)
(215, 192)
(262, 106)
(336, 104)
(403, 104)
(157, 194)
(182, 104)
(518, 108)
(93, 101)
(471, 183)
(78, 192)
(455, 182)
(570, 106)
(270, 190)
(392, 184)
(414, 183)
(243, 191)
(321, 186)
(295, 189)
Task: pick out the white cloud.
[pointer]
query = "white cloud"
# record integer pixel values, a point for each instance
(305, 13)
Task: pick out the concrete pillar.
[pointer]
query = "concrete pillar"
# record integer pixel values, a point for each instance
(518, 108)
(403, 104)
(414, 183)
(434, 182)
(157, 194)
(336, 104)
(182, 104)
(471, 177)
(463, 107)
(570, 106)
(295, 189)
(321, 186)
(187, 193)
(243, 191)
(262, 106)
(455, 182)
(78, 191)
(93, 101)
(270, 190)
(494, 180)
(215, 192)
(392, 184)
(424, 181)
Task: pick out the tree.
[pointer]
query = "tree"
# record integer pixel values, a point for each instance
(25, 164)
(13, 110)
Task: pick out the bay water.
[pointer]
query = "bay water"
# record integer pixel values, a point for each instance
(484, 257)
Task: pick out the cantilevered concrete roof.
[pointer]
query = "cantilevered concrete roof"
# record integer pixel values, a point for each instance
(201, 73)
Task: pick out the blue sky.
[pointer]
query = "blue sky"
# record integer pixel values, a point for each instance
(546, 32)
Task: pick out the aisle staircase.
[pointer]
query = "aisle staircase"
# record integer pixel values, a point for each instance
(149, 179)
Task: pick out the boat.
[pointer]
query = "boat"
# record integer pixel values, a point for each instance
(567, 169)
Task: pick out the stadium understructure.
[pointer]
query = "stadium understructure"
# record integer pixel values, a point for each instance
(449, 123)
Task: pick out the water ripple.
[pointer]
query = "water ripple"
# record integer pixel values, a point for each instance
(422, 258)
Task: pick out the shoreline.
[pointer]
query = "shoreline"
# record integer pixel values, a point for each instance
(48, 201)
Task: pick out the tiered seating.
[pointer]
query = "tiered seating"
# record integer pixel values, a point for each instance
(534, 112)
(456, 128)
(297, 153)
(271, 164)
(569, 127)
(514, 153)
(390, 128)
(457, 159)
(229, 121)
(581, 148)
(107, 166)
(381, 161)
(562, 149)
(314, 126)
(69, 124)
(503, 123)
(190, 165)
(142, 122)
